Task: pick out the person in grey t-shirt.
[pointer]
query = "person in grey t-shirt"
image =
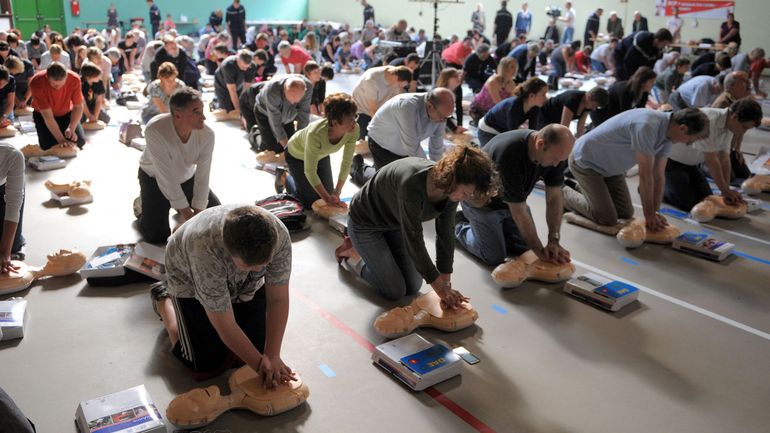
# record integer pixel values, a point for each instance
(227, 291)
(601, 158)
(281, 102)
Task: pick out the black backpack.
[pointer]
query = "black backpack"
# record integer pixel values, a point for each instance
(287, 209)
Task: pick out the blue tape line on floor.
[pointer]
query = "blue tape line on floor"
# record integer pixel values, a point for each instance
(499, 309)
(346, 199)
(629, 261)
(750, 257)
(674, 213)
(327, 370)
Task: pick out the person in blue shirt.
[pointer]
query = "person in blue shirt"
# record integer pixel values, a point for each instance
(511, 113)
(601, 157)
(523, 20)
(154, 18)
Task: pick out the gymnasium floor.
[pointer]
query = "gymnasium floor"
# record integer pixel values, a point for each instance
(691, 356)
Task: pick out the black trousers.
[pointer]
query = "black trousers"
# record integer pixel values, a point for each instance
(686, 185)
(269, 142)
(239, 37)
(46, 139)
(363, 124)
(740, 169)
(298, 185)
(381, 156)
(223, 98)
(18, 239)
(153, 223)
(12, 419)
(199, 347)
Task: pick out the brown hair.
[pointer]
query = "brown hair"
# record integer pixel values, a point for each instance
(747, 110)
(249, 235)
(56, 71)
(339, 106)
(446, 75)
(89, 70)
(466, 165)
(167, 70)
(532, 86)
(14, 65)
(641, 76)
(402, 72)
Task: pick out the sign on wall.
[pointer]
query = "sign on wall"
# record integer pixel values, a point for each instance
(705, 9)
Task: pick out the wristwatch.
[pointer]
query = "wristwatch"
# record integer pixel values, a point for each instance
(554, 236)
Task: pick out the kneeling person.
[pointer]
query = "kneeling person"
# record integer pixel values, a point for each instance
(58, 104)
(505, 227)
(228, 291)
(686, 185)
(174, 167)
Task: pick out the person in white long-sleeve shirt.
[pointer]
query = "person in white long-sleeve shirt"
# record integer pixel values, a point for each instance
(174, 167)
(11, 205)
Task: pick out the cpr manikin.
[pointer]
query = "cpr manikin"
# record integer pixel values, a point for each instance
(757, 184)
(64, 262)
(221, 115)
(424, 311)
(75, 189)
(6, 129)
(528, 267)
(270, 157)
(93, 126)
(635, 234)
(202, 406)
(326, 211)
(714, 206)
(59, 150)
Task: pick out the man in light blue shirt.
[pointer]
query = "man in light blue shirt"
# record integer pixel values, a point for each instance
(399, 126)
(697, 92)
(601, 157)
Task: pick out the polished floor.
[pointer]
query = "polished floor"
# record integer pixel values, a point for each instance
(691, 356)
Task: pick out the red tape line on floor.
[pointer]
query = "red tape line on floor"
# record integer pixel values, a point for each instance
(435, 394)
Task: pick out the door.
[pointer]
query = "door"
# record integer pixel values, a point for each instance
(31, 15)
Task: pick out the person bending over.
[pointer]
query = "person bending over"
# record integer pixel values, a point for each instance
(93, 91)
(601, 158)
(278, 104)
(511, 113)
(310, 172)
(226, 299)
(230, 77)
(505, 227)
(174, 166)
(686, 184)
(58, 106)
(160, 90)
(572, 105)
(386, 245)
(376, 87)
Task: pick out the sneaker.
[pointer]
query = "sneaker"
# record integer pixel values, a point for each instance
(138, 207)
(357, 168)
(158, 292)
(280, 179)
(19, 256)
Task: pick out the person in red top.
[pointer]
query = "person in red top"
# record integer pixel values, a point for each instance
(757, 66)
(58, 106)
(293, 55)
(455, 54)
(583, 60)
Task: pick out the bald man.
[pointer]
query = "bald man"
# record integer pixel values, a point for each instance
(402, 123)
(504, 226)
(280, 102)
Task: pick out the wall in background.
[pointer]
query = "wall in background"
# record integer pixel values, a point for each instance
(754, 16)
(96, 10)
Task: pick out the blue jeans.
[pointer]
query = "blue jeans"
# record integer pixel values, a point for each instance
(598, 66)
(299, 186)
(490, 234)
(388, 268)
(568, 32)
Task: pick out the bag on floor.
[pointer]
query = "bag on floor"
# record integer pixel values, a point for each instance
(129, 131)
(125, 97)
(287, 209)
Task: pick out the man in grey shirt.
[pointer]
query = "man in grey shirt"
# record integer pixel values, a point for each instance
(601, 157)
(278, 105)
(400, 125)
(228, 291)
(697, 92)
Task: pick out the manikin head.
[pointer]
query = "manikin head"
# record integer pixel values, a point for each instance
(551, 145)
(687, 126)
(440, 103)
(186, 108)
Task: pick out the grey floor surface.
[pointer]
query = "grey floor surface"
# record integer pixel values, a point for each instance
(691, 356)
